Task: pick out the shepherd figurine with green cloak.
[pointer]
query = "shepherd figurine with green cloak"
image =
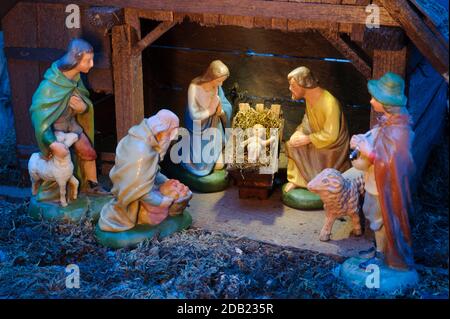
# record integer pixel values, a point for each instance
(61, 104)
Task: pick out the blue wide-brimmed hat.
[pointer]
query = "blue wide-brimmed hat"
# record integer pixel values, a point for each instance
(388, 90)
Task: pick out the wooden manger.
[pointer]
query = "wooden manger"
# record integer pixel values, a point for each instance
(254, 179)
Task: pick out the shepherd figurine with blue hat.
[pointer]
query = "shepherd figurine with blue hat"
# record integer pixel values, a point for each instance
(385, 157)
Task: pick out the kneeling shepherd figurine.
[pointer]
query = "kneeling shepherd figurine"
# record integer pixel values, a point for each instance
(143, 195)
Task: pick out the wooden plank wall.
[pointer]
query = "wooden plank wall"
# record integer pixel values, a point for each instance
(167, 72)
(19, 28)
(321, 13)
(186, 50)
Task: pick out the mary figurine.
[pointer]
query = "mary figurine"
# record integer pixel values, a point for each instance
(207, 114)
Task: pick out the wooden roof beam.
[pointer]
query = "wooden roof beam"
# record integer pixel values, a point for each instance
(315, 12)
(152, 36)
(419, 33)
(433, 22)
(346, 50)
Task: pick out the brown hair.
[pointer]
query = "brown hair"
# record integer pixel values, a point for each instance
(215, 70)
(75, 51)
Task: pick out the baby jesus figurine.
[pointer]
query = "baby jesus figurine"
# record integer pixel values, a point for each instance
(256, 145)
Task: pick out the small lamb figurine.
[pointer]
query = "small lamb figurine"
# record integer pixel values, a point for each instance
(55, 169)
(256, 144)
(340, 196)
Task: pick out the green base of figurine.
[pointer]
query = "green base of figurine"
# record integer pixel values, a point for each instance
(301, 198)
(132, 237)
(217, 181)
(83, 207)
(389, 280)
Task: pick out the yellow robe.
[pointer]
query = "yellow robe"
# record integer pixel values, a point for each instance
(325, 124)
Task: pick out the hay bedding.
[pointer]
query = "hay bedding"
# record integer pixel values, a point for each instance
(246, 119)
(190, 264)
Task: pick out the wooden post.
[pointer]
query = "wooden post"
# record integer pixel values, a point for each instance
(420, 34)
(128, 83)
(259, 107)
(275, 109)
(387, 61)
(244, 106)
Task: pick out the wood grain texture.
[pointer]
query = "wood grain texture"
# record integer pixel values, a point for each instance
(158, 15)
(127, 72)
(19, 26)
(240, 21)
(153, 35)
(384, 38)
(51, 29)
(5, 7)
(262, 78)
(231, 38)
(20, 30)
(387, 61)
(23, 88)
(420, 34)
(317, 12)
(360, 64)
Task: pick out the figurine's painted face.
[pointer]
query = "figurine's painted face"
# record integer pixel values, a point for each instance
(297, 91)
(173, 134)
(165, 138)
(219, 81)
(377, 106)
(86, 63)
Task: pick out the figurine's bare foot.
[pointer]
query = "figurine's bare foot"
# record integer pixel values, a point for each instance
(95, 188)
(290, 186)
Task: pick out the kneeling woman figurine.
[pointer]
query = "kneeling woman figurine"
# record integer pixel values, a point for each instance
(207, 108)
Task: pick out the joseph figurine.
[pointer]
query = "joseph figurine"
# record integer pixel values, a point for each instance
(61, 103)
(322, 139)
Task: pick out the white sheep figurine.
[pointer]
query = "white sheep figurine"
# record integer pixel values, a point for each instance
(58, 169)
(341, 197)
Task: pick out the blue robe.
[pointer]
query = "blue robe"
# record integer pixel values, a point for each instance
(204, 168)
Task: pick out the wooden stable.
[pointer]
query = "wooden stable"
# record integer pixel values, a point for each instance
(35, 36)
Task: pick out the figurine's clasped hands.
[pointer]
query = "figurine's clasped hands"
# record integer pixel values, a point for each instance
(299, 139)
(219, 109)
(77, 104)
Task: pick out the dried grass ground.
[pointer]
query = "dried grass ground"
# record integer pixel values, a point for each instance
(201, 264)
